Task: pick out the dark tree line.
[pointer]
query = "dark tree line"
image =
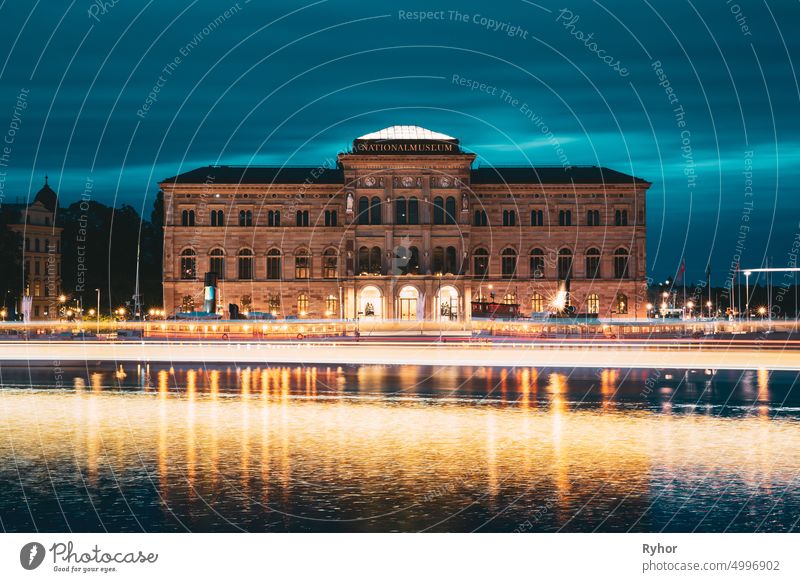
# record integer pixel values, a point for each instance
(10, 259)
(99, 251)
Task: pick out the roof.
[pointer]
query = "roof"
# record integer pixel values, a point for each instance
(47, 197)
(259, 175)
(551, 175)
(406, 132)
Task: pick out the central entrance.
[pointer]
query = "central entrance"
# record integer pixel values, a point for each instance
(370, 302)
(408, 299)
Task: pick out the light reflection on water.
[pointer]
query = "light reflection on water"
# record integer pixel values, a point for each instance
(379, 448)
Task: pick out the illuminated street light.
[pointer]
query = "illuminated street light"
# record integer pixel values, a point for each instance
(92, 312)
(62, 298)
(762, 310)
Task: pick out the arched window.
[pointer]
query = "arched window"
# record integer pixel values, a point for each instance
(509, 263)
(593, 304)
(537, 218)
(401, 211)
(450, 261)
(621, 263)
(480, 262)
(437, 266)
(36, 245)
(274, 303)
(438, 210)
(375, 211)
(564, 218)
(331, 218)
(621, 303)
(187, 304)
(330, 264)
(593, 264)
(245, 218)
(188, 264)
(537, 264)
(245, 264)
(217, 218)
(187, 218)
(537, 303)
(331, 306)
(375, 260)
(274, 218)
(47, 245)
(246, 303)
(509, 218)
(565, 264)
(592, 218)
(302, 265)
(450, 210)
(363, 210)
(621, 217)
(302, 305)
(407, 260)
(510, 299)
(480, 218)
(302, 218)
(216, 263)
(27, 245)
(274, 264)
(369, 261)
(413, 211)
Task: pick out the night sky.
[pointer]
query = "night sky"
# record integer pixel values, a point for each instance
(266, 82)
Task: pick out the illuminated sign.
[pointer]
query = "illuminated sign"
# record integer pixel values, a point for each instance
(405, 147)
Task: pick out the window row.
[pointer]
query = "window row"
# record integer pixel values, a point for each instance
(406, 210)
(538, 264)
(246, 218)
(245, 264)
(39, 246)
(510, 218)
(273, 304)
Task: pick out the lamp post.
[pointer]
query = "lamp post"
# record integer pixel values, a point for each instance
(98, 309)
(747, 294)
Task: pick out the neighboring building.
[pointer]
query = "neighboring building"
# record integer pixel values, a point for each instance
(41, 253)
(404, 227)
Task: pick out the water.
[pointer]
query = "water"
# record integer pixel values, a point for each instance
(381, 448)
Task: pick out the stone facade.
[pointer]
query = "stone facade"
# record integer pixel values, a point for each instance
(41, 253)
(403, 227)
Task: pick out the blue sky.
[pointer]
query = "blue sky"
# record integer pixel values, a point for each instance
(278, 82)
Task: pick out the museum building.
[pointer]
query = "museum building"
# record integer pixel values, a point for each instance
(403, 226)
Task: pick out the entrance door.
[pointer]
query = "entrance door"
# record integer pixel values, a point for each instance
(407, 303)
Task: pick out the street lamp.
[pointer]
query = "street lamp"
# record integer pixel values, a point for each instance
(762, 311)
(708, 304)
(747, 293)
(98, 310)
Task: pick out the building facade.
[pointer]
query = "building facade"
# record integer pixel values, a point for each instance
(404, 227)
(41, 253)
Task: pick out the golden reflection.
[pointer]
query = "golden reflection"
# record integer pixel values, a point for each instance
(387, 453)
(191, 452)
(213, 381)
(762, 381)
(524, 383)
(608, 386)
(163, 383)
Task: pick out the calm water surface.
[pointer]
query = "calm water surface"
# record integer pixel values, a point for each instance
(382, 448)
